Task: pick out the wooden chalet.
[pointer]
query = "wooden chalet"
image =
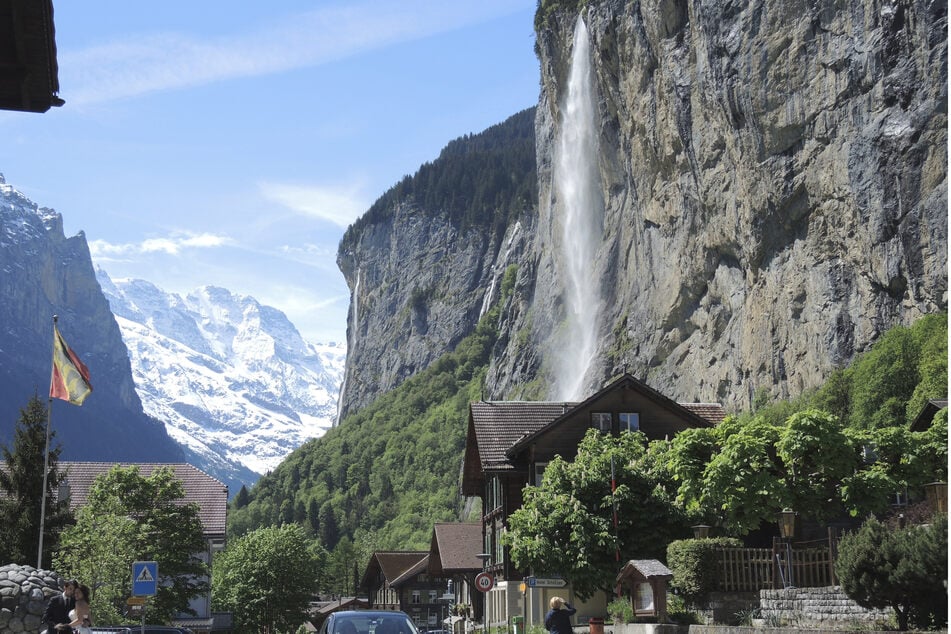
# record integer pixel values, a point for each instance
(509, 444)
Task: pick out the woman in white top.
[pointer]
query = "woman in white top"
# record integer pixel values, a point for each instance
(81, 622)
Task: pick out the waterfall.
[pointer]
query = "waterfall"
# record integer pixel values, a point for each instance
(579, 207)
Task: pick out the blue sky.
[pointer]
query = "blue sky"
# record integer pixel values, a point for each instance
(231, 143)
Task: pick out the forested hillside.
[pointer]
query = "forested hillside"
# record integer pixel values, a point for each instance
(479, 180)
(387, 473)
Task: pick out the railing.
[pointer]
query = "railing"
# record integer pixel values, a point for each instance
(800, 564)
(745, 569)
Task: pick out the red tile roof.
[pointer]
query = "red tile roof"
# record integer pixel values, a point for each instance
(712, 412)
(210, 494)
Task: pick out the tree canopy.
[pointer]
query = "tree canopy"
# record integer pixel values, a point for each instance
(128, 518)
(267, 578)
(21, 483)
(566, 525)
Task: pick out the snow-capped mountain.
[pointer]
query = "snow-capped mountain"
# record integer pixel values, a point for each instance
(233, 381)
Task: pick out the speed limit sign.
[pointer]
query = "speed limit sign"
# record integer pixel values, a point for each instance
(484, 581)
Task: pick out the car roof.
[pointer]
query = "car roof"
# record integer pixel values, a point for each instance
(368, 613)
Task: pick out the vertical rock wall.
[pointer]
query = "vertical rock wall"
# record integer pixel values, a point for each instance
(775, 178)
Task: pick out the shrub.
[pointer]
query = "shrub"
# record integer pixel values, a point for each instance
(621, 611)
(904, 569)
(694, 564)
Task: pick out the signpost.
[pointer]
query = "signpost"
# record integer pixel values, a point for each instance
(144, 583)
(144, 578)
(541, 582)
(484, 581)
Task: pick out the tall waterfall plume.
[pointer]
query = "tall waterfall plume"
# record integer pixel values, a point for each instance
(579, 209)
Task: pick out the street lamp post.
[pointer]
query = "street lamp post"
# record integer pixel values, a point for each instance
(787, 530)
(701, 531)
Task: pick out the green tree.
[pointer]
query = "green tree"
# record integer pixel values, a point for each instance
(130, 518)
(817, 457)
(565, 526)
(267, 578)
(21, 483)
(743, 484)
(903, 569)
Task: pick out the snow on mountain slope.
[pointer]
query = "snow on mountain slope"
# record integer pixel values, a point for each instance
(233, 381)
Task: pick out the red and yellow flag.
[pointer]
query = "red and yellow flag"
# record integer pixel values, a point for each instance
(70, 380)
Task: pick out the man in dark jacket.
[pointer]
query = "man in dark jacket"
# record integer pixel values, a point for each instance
(558, 619)
(57, 610)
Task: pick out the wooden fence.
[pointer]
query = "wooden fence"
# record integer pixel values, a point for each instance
(802, 564)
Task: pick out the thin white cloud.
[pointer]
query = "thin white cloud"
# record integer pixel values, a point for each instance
(155, 62)
(173, 245)
(340, 205)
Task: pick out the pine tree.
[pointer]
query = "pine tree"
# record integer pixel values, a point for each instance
(21, 481)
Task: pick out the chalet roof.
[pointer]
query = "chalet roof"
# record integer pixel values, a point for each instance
(624, 381)
(646, 568)
(396, 566)
(499, 425)
(711, 412)
(926, 415)
(210, 494)
(454, 548)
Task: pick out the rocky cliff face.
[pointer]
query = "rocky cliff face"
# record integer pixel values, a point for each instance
(42, 273)
(772, 182)
(774, 178)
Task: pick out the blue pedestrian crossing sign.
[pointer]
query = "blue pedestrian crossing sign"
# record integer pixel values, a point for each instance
(144, 578)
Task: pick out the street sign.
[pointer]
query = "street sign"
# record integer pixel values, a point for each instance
(541, 582)
(135, 601)
(144, 578)
(484, 581)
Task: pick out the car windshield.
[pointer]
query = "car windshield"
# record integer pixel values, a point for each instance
(374, 624)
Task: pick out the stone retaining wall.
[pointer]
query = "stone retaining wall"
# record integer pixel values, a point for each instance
(24, 591)
(827, 605)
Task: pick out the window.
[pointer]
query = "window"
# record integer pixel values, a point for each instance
(432, 596)
(630, 421)
(493, 494)
(539, 472)
(416, 598)
(601, 421)
(645, 598)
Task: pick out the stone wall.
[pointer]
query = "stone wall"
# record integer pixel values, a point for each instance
(24, 591)
(816, 606)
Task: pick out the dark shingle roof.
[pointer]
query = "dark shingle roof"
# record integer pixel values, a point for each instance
(395, 564)
(210, 494)
(712, 412)
(648, 568)
(454, 548)
(500, 424)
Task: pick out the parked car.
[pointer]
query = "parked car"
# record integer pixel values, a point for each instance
(137, 629)
(368, 622)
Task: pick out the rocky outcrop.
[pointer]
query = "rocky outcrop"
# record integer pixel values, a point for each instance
(774, 183)
(24, 592)
(44, 273)
(775, 190)
(419, 285)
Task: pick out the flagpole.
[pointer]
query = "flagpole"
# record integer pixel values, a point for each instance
(46, 459)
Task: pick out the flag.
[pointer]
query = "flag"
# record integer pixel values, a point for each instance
(70, 379)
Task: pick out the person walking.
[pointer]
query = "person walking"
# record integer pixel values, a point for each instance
(558, 619)
(56, 614)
